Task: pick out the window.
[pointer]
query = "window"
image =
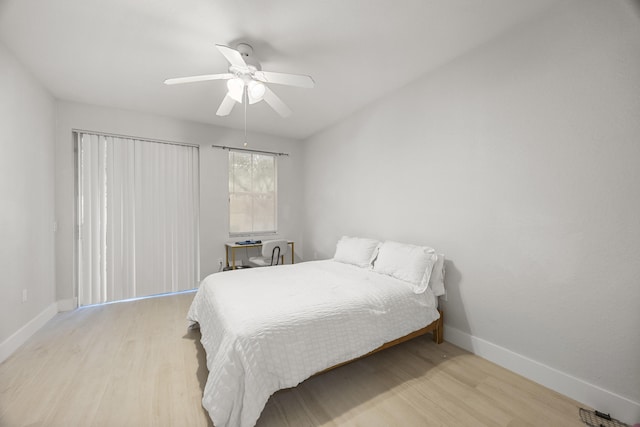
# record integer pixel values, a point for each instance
(252, 193)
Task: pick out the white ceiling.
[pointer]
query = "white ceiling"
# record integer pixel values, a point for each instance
(118, 53)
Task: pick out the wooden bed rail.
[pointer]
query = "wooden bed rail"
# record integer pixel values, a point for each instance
(437, 327)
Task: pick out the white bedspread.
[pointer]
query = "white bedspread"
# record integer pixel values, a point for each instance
(265, 329)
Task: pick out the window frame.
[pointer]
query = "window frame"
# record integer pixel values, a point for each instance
(275, 195)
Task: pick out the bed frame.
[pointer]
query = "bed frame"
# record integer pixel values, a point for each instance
(437, 327)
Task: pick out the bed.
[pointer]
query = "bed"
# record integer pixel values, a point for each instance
(266, 329)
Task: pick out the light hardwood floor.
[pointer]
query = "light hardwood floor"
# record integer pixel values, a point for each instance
(135, 364)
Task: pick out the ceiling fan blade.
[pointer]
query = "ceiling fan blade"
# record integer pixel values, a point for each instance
(203, 78)
(233, 56)
(276, 103)
(226, 106)
(298, 80)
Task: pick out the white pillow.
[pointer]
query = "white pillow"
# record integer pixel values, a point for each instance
(409, 263)
(355, 250)
(436, 282)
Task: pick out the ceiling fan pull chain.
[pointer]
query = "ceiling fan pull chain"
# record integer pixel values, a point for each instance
(245, 118)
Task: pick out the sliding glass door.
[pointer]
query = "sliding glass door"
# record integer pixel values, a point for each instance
(137, 218)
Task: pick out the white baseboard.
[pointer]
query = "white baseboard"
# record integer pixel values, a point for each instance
(67, 304)
(591, 395)
(11, 344)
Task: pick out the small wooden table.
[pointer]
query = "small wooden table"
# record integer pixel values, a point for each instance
(234, 246)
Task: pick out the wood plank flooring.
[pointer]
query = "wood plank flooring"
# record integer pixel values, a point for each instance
(136, 364)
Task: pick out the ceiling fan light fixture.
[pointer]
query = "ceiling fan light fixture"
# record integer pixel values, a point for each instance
(256, 90)
(236, 89)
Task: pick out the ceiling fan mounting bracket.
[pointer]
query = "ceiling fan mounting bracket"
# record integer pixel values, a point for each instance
(244, 49)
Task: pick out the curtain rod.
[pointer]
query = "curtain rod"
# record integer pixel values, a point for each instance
(224, 147)
(115, 135)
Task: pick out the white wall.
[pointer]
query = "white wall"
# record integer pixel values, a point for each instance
(521, 162)
(27, 123)
(214, 222)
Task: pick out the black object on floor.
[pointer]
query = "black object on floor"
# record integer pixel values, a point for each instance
(599, 419)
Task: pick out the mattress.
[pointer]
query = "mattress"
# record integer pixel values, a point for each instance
(265, 329)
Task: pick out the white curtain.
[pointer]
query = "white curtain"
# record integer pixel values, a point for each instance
(138, 218)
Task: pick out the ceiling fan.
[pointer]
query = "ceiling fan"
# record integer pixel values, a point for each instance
(246, 81)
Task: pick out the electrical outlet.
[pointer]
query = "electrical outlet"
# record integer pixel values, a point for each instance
(24, 296)
(220, 261)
